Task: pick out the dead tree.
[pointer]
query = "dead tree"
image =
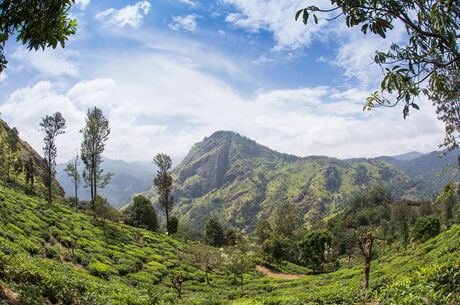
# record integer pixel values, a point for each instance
(177, 282)
(365, 242)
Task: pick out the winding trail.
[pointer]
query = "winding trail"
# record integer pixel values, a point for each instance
(278, 275)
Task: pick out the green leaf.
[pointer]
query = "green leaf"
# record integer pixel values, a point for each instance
(298, 14)
(306, 14)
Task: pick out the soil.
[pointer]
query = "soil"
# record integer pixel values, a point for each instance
(278, 275)
(9, 295)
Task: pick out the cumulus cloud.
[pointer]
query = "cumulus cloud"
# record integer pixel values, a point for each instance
(130, 15)
(51, 62)
(26, 107)
(356, 52)
(277, 17)
(97, 92)
(187, 23)
(157, 102)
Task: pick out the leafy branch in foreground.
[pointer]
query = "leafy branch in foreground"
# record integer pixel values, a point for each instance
(37, 23)
(427, 65)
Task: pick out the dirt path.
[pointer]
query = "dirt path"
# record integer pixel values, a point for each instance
(9, 295)
(278, 275)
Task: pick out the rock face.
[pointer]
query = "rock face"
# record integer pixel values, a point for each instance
(208, 170)
(236, 180)
(217, 161)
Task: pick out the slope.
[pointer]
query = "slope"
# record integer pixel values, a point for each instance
(24, 152)
(236, 180)
(52, 255)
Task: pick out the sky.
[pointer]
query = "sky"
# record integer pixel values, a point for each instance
(169, 73)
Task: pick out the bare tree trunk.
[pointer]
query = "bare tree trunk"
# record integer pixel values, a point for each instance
(365, 243)
(50, 179)
(76, 183)
(167, 219)
(367, 269)
(242, 283)
(177, 282)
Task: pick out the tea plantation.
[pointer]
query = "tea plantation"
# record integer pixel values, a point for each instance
(53, 255)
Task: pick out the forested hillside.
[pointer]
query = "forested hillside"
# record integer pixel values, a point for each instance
(236, 180)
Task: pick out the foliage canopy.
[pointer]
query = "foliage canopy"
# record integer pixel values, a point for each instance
(213, 233)
(163, 181)
(141, 214)
(95, 134)
(36, 23)
(313, 248)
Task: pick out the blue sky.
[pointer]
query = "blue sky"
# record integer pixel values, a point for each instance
(169, 73)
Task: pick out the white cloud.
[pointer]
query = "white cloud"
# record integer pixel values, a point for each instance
(186, 23)
(263, 60)
(277, 17)
(98, 92)
(82, 3)
(356, 52)
(156, 103)
(130, 15)
(26, 107)
(51, 62)
(189, 2)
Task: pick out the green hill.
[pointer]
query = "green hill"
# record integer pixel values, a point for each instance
(24, 152)
(50, 253)
(53, 255)
(236, 180)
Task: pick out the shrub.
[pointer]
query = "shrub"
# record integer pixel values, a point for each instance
(426, 228)
(100, 270)
(52, 251)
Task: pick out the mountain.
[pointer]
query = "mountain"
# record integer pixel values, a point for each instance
(24, 152)
(406, 157)
(236, 180)
(428, 167)
(129, 178)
